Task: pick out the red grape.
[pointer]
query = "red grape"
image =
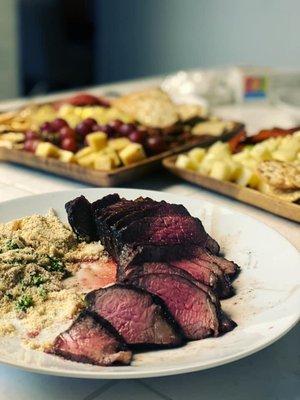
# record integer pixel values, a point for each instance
(90, 122)
(83, 129)
(57, 124)
(116, 124)
(126, 129)
(66, 132)
(30, 135)
(46, 127)
(69, 144)
(137, 137)
(155, 144)
(104, 128)
(99, 128)
(31, 145)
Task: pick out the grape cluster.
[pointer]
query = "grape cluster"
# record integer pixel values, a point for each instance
(60, 133)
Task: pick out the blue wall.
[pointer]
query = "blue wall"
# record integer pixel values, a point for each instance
(148, 37)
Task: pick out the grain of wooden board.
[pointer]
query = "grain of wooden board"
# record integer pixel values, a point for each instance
(105, 178)
(250, 196)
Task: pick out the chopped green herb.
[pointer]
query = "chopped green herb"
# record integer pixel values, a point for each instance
(42, 292)
(55, 264)
(9, 296)
(37, 280)
(24, 302)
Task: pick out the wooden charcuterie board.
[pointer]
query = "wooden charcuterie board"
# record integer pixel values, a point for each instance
(247, 195)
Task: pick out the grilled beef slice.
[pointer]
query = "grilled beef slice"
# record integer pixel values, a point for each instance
(208, 274)
(190, 306)
(225, 323)
(80, 218)
(228, 267)
(139, 317)
(134, 271)
(163, 230)
(91, 339)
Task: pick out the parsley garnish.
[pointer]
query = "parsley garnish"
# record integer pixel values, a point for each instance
(24, 302)
(42, 292)
(55, 265)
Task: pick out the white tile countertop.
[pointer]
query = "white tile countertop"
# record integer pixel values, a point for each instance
(273, 373)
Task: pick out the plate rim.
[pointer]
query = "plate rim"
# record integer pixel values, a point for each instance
(122, 373)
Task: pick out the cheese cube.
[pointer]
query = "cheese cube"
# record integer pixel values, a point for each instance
(220, 170)
(104, 162)
(118, 144)
(47, 149)
(83, 152)
(185, 162)
(248, 177)
(197, 154)
(113, 155)
(66, 156)
(88, 160)
(132, 153)
(97, 140)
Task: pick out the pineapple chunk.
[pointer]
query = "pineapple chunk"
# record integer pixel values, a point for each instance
(197, 154)
(220, 170)
(66, 156)
(132, 153)
(46, 149)
(185, 162)
(104, 162)
(118, 144)
(83, 152)
(97, 140)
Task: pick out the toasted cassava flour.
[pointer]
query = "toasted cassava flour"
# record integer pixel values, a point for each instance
(37, 255)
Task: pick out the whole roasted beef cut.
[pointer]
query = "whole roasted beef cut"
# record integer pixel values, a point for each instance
(139, 230)
(91, 339)
(190, 306)
(139, 317)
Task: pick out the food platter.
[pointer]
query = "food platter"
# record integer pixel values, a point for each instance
(95, 177)
(265, 308)
(245, 194)
(106, 142)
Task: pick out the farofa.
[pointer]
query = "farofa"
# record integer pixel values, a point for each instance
(37, 253)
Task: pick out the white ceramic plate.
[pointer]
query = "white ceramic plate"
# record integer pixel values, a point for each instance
(266, 306)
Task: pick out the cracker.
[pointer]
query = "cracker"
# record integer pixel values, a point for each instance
(280, 175)
(188, 112)
(152, 108)
(291, 196)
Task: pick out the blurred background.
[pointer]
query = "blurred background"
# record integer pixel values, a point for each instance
(53, 45)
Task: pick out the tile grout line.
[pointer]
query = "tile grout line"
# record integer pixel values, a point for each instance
(100, 391)
(157, 392)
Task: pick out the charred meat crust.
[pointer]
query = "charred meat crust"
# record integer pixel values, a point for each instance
(163, 312)
(80, 218)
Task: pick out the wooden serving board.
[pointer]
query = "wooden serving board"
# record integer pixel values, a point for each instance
(104, 178)
(247, 195)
